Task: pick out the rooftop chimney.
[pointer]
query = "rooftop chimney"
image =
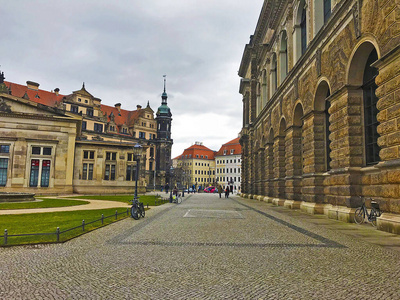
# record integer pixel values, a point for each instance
(118, 106)
(139, 107)
(32, 85)
(56, 90)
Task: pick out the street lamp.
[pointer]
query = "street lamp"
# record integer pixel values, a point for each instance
(151, 160)
(137, 153)
(171, 173)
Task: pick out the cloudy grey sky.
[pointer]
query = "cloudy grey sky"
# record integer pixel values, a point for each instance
(122, 49)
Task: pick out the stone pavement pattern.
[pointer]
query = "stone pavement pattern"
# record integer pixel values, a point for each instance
(205, 248)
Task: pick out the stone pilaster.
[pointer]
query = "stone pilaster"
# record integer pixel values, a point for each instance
(279, 167)
(347, 147)
(269, 169)
(294, 162)
(314, 156)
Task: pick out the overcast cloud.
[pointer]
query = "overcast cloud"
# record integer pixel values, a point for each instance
(121, 50)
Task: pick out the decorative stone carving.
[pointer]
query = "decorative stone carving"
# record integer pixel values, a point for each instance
(4, 107)
(318, 61)
(356, 18)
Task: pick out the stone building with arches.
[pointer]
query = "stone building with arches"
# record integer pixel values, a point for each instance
(320, 81)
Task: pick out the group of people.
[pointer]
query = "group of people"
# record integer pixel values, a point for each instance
(227, 191)
(221, 190)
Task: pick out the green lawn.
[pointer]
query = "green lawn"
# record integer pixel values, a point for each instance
(28, 223)
(42, 204)
(146, 199)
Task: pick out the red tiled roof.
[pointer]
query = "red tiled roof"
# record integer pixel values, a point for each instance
(234, 144)
(198, 150)
(38, 96)
(121, 117)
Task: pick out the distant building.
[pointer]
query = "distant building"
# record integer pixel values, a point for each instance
(195, 166)
(228, 162)
(53, 143)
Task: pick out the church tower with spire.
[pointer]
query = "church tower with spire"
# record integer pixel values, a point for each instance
(164, 140)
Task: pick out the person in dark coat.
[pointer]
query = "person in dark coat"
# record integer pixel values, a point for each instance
(227, 192)
(166, 188)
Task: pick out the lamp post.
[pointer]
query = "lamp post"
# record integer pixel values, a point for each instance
(171, 173)
(152, 160)
(137, 152)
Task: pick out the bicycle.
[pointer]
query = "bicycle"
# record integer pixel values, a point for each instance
(362, 212)
(177, 198)
(137, 209)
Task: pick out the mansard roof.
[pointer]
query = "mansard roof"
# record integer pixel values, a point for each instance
(231, 145)
(199, 150)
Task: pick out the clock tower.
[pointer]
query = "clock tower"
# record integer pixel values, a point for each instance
(164, 141)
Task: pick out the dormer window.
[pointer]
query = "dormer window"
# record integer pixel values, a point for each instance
(124, 130)
(224, 152)
(79, 100)
(232, 150)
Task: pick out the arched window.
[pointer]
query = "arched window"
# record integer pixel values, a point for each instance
(283, 57)
(303, 28)
(327, 10)
(370, 110)
(264, 88)
(274, 75)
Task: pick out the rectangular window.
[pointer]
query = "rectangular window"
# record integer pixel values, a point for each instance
(112, 172)
(4, 148)
(142, 135)
(44, 182)
(47, 151)
(34, 178)
(98, 127)
(36, 150)
(109, 173)
(84, 171)
(84, 125)
(3, 171)
(88, 154)
(130, 157)
(89, 112)
(90, 174)
(111, 155)
(74, 109)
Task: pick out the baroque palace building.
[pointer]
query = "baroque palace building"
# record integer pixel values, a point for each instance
(320, 81)
(195, 166)
(52, 143)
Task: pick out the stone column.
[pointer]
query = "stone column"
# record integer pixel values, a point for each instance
(314, 156)
(294, 162)
(347, 147)
(279, 167)
(269, 169)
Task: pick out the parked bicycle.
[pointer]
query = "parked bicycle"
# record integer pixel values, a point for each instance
(137, 209)
(361, 213)
(177, 198)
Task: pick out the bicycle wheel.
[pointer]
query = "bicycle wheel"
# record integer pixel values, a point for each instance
(178, 200)
(359, 216)
(134, 212)
(373, 216)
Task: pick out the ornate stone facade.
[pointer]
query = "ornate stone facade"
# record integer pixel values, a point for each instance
(327, 127)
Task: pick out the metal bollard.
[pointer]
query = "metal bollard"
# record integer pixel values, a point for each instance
(83, 225)
(147, 206)
(116, 214)
(102, 219)
(58, 234)
(127, 212)
(5, 236)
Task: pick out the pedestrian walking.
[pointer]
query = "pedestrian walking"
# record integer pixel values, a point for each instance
(227, 192)
(220, 190)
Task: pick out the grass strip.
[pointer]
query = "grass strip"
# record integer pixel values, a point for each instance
(150, 200)
(28, 223)
(46, 203)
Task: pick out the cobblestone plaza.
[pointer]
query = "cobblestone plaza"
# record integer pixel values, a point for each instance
(210, 248)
